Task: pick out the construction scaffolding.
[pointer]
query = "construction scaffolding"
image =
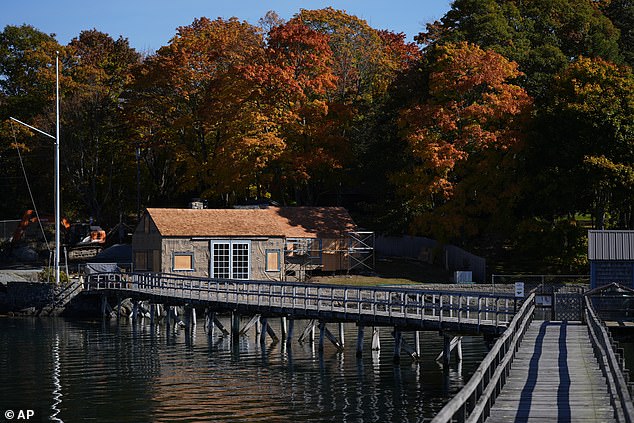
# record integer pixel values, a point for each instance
(303, 256)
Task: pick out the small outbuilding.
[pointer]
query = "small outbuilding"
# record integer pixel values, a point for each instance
(272, 243)
(611, 257)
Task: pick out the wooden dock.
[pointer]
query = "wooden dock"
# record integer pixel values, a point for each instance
(554, 377)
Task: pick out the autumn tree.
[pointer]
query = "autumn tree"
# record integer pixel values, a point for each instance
(197, 112)
(27, 92)
(460, 135)
(96, 151)
(295, 79)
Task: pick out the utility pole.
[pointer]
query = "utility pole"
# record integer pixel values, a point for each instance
(58, 201)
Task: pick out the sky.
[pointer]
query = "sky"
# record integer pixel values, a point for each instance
(150, 24)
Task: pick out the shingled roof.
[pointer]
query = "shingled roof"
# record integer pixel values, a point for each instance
(289, 222)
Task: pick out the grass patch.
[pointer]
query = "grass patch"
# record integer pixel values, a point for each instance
(392, 271)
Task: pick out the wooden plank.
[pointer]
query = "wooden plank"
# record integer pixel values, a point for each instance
(554, 377)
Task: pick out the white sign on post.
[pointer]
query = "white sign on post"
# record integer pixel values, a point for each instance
(519, 289)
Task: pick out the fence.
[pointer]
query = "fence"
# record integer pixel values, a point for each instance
(7, 228)
(420, 248)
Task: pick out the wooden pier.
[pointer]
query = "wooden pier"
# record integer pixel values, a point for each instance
(555, 377)
(452, 313)
(540, 371)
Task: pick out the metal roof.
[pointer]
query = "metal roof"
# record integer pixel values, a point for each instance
(611, 245)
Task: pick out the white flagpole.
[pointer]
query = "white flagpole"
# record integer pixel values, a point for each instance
(57, 182)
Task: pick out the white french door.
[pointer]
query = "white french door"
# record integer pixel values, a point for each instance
(230, 259)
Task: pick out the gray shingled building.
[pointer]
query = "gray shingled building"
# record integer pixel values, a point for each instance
(611, 257)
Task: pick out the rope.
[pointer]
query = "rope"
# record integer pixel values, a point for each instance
(28, 185)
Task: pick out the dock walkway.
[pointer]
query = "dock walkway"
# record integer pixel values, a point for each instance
(554, 377)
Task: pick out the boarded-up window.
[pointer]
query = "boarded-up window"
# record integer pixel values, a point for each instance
(140, 260)
(183, 261)
(272, 260)
(156, 261)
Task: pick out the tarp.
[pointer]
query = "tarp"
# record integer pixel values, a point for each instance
(101, 268)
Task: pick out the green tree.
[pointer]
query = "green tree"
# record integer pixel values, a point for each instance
(542, 36)
(586, 152)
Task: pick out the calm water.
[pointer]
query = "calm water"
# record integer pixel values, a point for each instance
(107, 372)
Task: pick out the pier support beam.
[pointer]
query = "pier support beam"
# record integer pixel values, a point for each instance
(398, 343)
(308, 334)
(168, 316)
(341, 335)
(283, 326)
(325, 333)
(219, 325)
(235, 326)
(449, 344)
(253, 322)
(135, 311)
(209, 322)
(376, 340)
(104, 306)
(360, 334)
(152, 314)
(411, 351)
(289, 333)
(265, 324)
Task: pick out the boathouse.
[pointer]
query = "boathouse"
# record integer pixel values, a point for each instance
(272, 243)
(611, 257)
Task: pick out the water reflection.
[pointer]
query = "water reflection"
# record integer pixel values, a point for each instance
(158, 373)
(57, 386)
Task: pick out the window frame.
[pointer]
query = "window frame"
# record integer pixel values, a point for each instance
(230, 243)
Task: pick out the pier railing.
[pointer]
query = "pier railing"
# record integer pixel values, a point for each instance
(341, 300)
(473, 402)
(611, 368)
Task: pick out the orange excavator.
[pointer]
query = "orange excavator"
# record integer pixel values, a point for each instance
(83, 240)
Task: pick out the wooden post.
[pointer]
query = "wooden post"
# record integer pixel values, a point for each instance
(341, 335)
(104, 302)
(283, 326)
(459, 349)
(187, 316)
(118, 308)
(152, 312)
(417, 342)
(235, 325)
(135, 310)
(322, 333)
(398, 338)
(289, 333)
(376, 340)
(446, 351)
(168, 316)
(264, 321)
(360, 329)
(193, 316)
(208, 321)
